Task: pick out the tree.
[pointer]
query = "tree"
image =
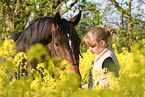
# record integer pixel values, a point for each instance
(91, 17)
(127, 16)
(15, 13)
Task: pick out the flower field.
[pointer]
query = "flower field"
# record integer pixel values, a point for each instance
(47, 80)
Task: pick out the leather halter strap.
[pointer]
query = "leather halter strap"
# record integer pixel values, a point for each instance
(74, 64)
(53, 43)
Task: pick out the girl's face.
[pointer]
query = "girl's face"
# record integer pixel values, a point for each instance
(97, 48)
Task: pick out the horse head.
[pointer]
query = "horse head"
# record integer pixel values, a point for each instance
(65, 40)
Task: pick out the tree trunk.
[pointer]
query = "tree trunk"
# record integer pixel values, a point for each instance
(127, 14)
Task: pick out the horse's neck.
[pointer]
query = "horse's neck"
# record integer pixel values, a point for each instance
(16, 36)
(42, 32)
(37, 32)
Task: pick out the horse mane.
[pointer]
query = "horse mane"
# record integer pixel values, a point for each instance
(37, 31)
(68, 27)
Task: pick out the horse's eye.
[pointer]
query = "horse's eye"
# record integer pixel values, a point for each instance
(79, 41)
(56, 44)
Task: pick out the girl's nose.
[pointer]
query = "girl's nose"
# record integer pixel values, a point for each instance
(90, 49)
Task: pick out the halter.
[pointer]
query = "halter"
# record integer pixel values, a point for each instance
(53, 44)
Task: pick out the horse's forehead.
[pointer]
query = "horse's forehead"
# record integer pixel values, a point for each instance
(63, 36)
(66, 37)
(66, 31)
(63, 33)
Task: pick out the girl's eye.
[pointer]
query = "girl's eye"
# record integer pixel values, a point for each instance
(92, 46)
(57, 44)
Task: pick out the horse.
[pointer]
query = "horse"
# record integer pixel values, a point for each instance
(57, 34)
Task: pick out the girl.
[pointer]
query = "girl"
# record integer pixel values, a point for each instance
(98, 40)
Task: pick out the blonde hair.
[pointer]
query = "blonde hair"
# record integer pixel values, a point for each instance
(96, 34)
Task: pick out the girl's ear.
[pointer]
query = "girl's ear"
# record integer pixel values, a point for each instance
(103, 43)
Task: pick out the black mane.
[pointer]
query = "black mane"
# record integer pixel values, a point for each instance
(37, 31)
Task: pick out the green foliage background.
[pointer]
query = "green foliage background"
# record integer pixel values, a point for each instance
(14, 15)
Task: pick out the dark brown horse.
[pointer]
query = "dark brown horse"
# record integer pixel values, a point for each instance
(58, 35)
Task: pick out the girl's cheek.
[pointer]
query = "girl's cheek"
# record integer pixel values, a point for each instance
(90, 49)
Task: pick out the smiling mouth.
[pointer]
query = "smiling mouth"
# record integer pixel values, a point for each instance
(93, 52)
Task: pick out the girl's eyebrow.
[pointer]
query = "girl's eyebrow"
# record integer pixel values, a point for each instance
(91, 45)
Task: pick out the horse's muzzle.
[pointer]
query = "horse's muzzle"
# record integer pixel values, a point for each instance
(74, 64)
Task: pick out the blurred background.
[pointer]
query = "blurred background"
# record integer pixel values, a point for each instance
(126, 16)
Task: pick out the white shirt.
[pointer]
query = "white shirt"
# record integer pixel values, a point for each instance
(99, 59)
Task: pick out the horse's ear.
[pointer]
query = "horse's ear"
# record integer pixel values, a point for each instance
(57, 19)
(75, 20)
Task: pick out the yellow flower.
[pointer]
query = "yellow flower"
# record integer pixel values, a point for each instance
(104, 71)
(13, 81)
(7, 49)
(19, 59)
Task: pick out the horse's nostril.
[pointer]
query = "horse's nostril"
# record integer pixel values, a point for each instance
(74, 64)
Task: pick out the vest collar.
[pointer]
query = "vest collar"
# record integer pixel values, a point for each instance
(102, 53)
